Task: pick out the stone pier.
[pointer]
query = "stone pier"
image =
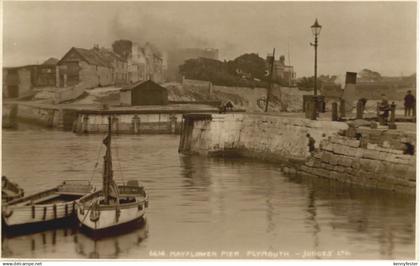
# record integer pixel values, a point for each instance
(271, 137)
(376, 158)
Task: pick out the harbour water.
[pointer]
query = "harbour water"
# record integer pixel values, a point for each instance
(206, 207)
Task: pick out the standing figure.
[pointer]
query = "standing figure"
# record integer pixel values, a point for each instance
(311, 143)
(409, 104)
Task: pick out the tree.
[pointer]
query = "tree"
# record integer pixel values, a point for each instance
(250, 66)
(327, 78)
(308, 83)
(369, 75)
(122, 48)
(216, 72)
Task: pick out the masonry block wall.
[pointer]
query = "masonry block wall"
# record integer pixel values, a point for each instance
(343, 159)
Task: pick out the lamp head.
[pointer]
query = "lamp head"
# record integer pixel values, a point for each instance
(316, 28)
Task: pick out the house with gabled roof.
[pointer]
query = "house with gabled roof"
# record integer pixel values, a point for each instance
(90, 68)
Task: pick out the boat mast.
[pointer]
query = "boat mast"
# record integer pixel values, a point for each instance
(108, 173)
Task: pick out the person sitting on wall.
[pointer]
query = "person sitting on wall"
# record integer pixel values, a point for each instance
(384, 109)
(409, 104)
(311, 143)
(229, 106)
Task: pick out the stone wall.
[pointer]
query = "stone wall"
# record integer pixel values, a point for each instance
(343, 159)
(44, 116)
(270, 137)
(249, 99)
(370, 161)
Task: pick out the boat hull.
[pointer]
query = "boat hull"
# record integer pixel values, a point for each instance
(37, 214)
(49, 205)
(109, 217)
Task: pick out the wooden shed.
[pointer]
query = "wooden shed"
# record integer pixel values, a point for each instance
(144, 93)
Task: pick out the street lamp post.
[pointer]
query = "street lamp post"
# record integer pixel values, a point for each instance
(316, 30)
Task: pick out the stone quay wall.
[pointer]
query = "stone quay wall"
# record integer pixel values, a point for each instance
(375, 160)
(344, 159)
(268, 137)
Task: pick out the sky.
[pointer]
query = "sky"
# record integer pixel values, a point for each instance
(355, 35)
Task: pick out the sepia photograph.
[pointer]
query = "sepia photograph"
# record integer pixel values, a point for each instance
(201, 130)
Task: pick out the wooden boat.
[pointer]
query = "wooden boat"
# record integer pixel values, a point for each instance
(10, 190)
(114, 205)
(46, 206)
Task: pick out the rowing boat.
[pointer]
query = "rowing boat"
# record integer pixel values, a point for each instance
(49, 205)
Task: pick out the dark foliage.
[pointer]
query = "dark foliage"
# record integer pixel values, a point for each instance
(122, 48)
(233, 73)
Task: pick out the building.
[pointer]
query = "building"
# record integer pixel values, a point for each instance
(46, 74)
(144, 93)
(282, 73)
(118, 64)
(17, 81)
(144, 62)
(20, 81)
(90, 68)
(154, 63)
(177, 57)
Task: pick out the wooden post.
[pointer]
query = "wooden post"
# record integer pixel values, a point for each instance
(44, 215)
(66, 210)
(334, 113)
(33, 211)
(55, 211)
(173, 124)
(136, 124)
(115, 123)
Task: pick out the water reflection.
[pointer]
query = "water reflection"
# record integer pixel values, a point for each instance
(366, 214)
(312, 221)
(110, 247)
(52, 241)
(200, 204)
(28, 245)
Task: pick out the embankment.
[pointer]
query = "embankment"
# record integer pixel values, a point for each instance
(271, 137)
(376, 159)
